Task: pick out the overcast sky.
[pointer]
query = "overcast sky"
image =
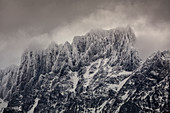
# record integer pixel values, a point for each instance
(35, 23)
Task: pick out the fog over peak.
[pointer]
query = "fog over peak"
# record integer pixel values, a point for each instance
(35, 24)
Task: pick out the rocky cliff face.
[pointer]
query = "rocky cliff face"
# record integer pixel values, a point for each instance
(98, 72)
(8, 78)
(147, 89)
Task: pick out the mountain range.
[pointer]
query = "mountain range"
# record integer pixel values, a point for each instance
(99, 72)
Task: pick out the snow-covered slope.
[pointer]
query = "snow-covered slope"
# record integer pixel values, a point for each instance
(97, 72)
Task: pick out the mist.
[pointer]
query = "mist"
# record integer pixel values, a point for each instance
(35, 24)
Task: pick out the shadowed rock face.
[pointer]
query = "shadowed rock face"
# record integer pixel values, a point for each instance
(150, 85)
(99, 72)
(147, 89)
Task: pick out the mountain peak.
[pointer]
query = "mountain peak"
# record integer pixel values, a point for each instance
(102, 34)
(52, 45)
(105, 43)
(98, 72)
(164, 55)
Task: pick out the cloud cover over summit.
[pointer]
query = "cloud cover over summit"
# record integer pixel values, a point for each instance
(25, 24)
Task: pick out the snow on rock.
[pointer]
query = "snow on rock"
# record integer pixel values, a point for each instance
(154, 73)
(3, 104)
(8, 78)
(118, 86)
(125, 73)
(125, 96)
(75, 80)
(33, 107)
(88, 75)
(101, 107)
(97, 72)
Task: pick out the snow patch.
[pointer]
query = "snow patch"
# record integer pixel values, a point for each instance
(125, 96)
(125, 73)
(3, 104)
(35, 105)
(119, 74)
(18, 108)
(101, 107)
(154, 73)
(75, 80)
(122, 83)
(117, 87)
(88, 76)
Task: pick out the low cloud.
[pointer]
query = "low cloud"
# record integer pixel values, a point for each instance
(11, 50)
(25, 25)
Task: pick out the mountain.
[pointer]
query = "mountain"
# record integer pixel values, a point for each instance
(147, 89)
(8, 78)
(98, 72)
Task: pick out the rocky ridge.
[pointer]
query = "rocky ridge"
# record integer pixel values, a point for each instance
(98, 72)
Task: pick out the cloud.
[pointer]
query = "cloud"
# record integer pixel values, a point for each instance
(11, 50)
(150, 37)
(34, 24)
(43, 15)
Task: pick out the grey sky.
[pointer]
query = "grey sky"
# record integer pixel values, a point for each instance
(35, 23)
